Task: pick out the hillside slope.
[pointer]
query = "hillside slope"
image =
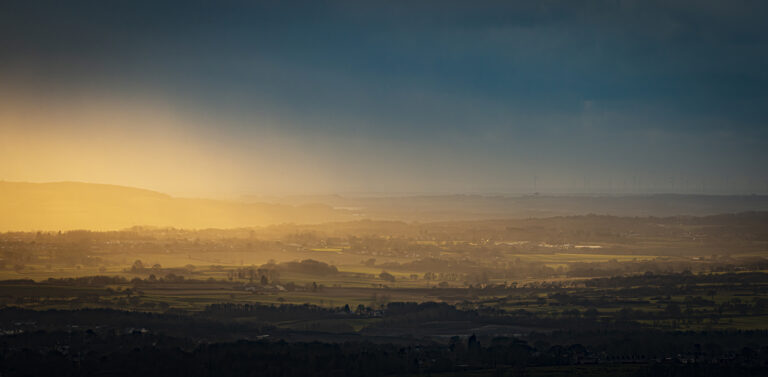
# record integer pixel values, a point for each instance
(72, 205)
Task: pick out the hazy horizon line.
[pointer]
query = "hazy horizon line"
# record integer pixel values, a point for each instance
(512, 192)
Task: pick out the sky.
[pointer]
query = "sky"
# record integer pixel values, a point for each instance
(216, 98)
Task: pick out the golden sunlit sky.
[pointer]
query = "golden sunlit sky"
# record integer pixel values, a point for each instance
(443, 97)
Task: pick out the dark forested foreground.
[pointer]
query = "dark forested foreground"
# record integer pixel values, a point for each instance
(629, 329)
(117, 343)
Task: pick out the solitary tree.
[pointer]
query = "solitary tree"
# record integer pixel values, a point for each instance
(384, 275)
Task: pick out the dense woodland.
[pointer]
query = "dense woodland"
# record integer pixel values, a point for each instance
(97, 342)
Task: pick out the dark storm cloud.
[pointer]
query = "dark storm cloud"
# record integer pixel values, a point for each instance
(547, 73)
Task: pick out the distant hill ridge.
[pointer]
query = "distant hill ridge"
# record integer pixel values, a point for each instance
(75, 205)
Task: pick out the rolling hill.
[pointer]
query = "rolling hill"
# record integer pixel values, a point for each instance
(73, 205)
